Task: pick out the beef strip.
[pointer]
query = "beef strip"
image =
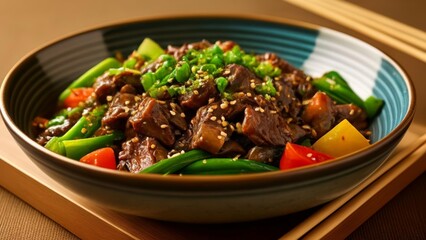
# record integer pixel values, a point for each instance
(319, 113)
(107, 84)
(151, 120)
(354, 114)
(264, 154)
(276, 132)
(54, 131)
(211, 125)
(193, 100)
(139, 153)
(240, 78)
(120, 109)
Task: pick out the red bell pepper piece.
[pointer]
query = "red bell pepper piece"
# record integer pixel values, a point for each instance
(103, 157)
(297, 156)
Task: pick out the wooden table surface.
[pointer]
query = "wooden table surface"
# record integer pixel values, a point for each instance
(31, 24)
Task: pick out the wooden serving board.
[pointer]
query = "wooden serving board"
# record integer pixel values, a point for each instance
(86, 220)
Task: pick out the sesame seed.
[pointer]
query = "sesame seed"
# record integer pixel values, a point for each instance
(196, 92)
(126, 109)
(214, 106)
(182, 114)
(257, 109)
(236, 157)
(205, 161)
(127, 102)
(109, 98)
(307, 127)
(224, 105)
(248, 94)
(352, 112)
(210, 110)
(253, 85)
(273, 111)
(223, 133)
(239, 127)
(144, 122)
(135, 140)
(219, 137)
(262, 110)
(213, 118)
(313, 132)
(224, 123)
(330, 81)
(83, 130)
(289, 120)
(227, 71)
(252, 80)
(309, 155)
(173, 113)
(233, 102)
(164, 126)
(211, 100)
(153, 146)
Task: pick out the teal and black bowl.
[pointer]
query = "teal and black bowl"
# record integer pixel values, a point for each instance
(34, 83)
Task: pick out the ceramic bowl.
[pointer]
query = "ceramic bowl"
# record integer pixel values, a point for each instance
(35, 82)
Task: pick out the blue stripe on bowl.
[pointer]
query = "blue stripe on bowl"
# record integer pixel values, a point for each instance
(390, 87)
(289, 42)
(368, 72)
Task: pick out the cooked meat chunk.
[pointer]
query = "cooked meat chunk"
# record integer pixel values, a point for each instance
(319, 113)
(194, 99)
(275, 133)
(140, 153)
(108, 84)
(208, 134)
(119, 111)
(354, 114)
(264, 154)
(150, 120)
(240, 78)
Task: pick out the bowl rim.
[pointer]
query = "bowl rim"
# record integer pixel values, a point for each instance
(205, 183)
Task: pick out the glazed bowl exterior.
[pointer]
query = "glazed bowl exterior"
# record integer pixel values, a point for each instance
(35, 82)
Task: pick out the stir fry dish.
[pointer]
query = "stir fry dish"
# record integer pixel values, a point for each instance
(205, 108)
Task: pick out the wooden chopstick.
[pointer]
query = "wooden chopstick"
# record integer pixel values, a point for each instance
(370, 200)
(318, 219)
(381, 23)
(327, 10)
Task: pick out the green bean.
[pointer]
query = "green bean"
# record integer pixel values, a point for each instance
(341, 93)
(148, 80)
(373, 106)
(339, 90)
(266, 88)
(83, 128)
(216, 166)
(77, 148)
(174, 164)
(60, 118)
(221, 84)
(89, 77)
(182, 73)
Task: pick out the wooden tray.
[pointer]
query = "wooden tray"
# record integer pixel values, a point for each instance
(24, 179)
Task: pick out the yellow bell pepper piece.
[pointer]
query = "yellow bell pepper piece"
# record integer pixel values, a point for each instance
(343, 139)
